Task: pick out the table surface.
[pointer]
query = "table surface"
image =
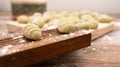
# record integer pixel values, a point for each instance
(103, 52)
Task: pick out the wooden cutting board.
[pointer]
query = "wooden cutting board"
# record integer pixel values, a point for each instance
(17, 51)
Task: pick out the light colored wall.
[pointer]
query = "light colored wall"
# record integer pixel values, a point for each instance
(105, 6)
(5, 5)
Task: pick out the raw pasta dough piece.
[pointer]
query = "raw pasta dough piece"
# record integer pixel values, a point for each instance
(39, 21)
(37, 14)
(32, 31)
(22, 19)
(64, 14)
(87, 17)
(66, 27)
(82, 25)
(47, 16)
(104, 18)
(93, 24)
(85, 13)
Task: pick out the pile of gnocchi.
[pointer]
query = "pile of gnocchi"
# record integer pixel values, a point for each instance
(65, 22)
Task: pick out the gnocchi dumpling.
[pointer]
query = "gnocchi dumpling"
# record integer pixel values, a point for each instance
(82, 25)
(66, 27)
(72, 20)
(93, 24)
(87, 17)
(85, 13)
(22, 19)
(64, 14)
(32, 31)
(90, 24)
(47, 16)
(104, 18)
(38, 21)
(37, 14)
(31, 18)
(75, 14)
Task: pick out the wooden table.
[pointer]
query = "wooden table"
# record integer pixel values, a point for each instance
(104, 52)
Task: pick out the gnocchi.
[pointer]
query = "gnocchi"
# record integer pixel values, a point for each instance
(38, 21)
(66, 27)
(104, 18)
(22, 19)
(82, 25)
(32, 31)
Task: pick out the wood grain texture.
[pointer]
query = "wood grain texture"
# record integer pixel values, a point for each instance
(94, 56)
(48, 47)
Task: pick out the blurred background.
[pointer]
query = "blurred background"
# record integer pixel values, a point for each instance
(104, 6)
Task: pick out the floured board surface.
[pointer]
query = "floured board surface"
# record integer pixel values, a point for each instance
(14, 26)
(102, 29)
(17, 51)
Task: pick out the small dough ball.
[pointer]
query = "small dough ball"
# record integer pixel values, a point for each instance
(38, 21)
(66, 27)
(31, 18)
(32, 31)
(75, 14)
(85, 13)
(22, 19)
(64, 14)
(49, 16)
(82, 25)
(74, 20)
(87, 17)
(93, 24)
(37, 14)
(104, 18)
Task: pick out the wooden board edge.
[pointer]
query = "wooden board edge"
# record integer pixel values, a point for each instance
(100, 32)
(39, 54)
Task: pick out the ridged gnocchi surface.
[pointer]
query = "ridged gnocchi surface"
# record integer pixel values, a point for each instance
(37, 14)
(32, 31)
(93, 24)
(38, 21)
(66, 27)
